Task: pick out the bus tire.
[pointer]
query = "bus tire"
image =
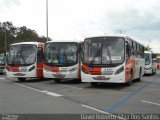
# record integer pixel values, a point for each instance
(155, 71)
(129, 83)
(139, 79)
(94, 84)
(152, 72)
(79, 80)
(57, 80)
(21, 79)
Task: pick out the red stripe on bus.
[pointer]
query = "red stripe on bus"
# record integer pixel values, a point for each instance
(15, 69)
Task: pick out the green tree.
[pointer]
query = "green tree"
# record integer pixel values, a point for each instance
(17, 34)
(147, 48)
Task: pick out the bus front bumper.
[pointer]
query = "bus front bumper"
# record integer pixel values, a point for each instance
(120, 78)
(148, 71)
(31, 74)
(62, 75)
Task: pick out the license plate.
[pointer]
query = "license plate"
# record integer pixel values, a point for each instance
(101, 77)
(58, 73)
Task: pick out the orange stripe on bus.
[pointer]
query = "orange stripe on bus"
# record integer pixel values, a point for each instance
(40, 69)
(55, 68)
(94, 71)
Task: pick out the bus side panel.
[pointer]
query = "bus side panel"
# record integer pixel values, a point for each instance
(40, 60)
(127, 72)
(40, 69)
(79, 67)
(79, 71)
(130, 66)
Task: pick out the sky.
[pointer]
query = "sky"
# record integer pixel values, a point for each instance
(77, 19)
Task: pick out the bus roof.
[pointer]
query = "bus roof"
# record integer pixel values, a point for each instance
(124, 36)
(22, 43)
(77, 41)
(148, 52)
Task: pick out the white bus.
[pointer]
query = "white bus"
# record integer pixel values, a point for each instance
(62, 60)
(25, 60)
(150, 63)
(112, 59)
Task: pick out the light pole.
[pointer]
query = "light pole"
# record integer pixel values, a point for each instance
(47, 18)
(5, 38)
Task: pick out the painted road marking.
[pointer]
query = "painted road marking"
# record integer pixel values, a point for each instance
(104, 112)
(95, 109)
(51, 93)
(44, 91)
(2, 78)
(28, 87)
(71, 86)
(150, 102)
(123, 101)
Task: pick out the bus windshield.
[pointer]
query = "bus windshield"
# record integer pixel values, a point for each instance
(147, 58)
(61, 53)
(107, 51)
(22, 55)
(2, 60)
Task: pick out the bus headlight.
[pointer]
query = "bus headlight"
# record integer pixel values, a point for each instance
(72, 69)
(119, 70)
(83, 70)
(32, 68)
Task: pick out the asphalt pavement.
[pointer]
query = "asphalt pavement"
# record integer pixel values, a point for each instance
(42, 96)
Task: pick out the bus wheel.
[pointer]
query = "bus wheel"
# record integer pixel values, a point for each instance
(139, 79)
(155, 71)
(152, 72)
(57, 80)
(129, 83)
(21, 79)
(94, 84)
(79, 80)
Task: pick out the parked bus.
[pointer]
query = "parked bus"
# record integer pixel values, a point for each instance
(158, 62)
(112, 59)
(25, 60)
(62, 60)
(150, 63)
(2, 63)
